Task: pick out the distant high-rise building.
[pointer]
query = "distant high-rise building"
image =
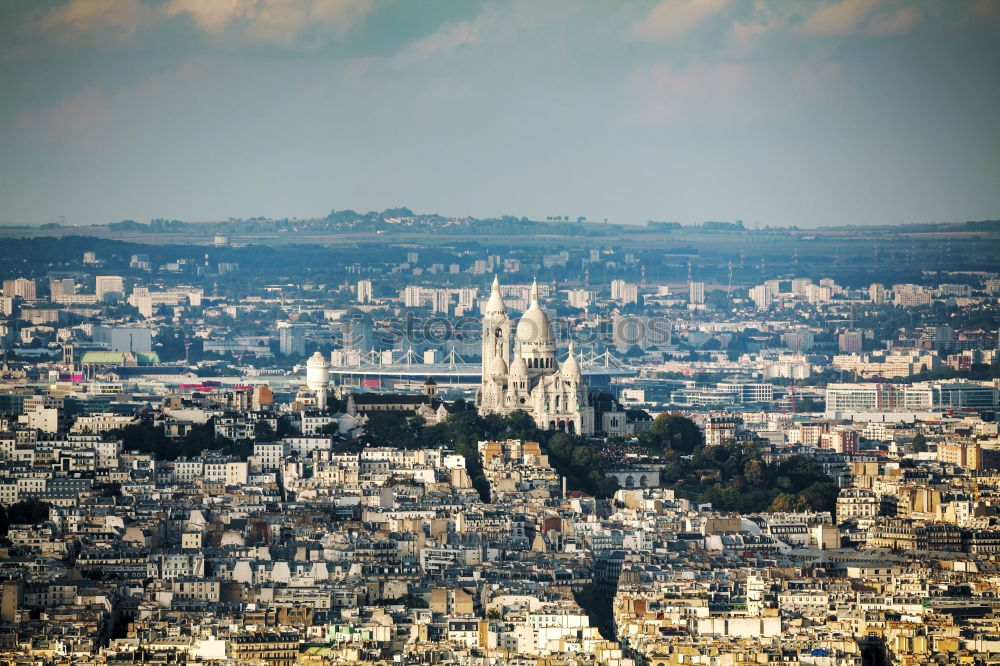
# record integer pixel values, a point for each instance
(579, 298)
(364, 291)
(90, 257)
(22, 287)
(764, 294)
(357, 335)
(799, 285)
(142, 300)
(876, 293)
(940, 337)
(819, 294)
(798, 340)
(414, 296)
(110, 287)
(291, 339)
(696, 292)
(624, 292)
(412, 257)
(910, 295)
(124, 338)
(441, 300)
(61, 287)
(850, 342)
(140, 261)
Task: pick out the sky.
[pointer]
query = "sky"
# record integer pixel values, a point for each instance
(774, 112)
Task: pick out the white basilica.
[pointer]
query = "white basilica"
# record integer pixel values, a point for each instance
(555, 396)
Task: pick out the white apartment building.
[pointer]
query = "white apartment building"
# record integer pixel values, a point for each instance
(109, 286)
(624, 292)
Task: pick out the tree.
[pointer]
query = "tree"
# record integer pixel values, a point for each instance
(520, 425)
(809, 405)
(28, 512)
(674, 432)
(263, 432)
(385, 428)
(786, 502)
(918, 444)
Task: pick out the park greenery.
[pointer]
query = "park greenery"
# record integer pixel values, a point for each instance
(25, 512)
(148, 437)
(733, 476)
(730, 476)
(573, 457)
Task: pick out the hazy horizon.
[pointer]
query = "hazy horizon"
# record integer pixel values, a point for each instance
(847, 112)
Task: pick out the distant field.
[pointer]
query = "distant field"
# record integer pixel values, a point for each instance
(755, 241)
(847, 254)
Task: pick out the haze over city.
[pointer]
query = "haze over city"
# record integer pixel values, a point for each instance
(528, 333)
(771, 112)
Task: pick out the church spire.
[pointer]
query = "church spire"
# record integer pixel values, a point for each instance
(534, 292)
(495, 305)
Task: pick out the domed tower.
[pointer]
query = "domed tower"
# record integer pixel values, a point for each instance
(534, 341)
(571, 368)
(318, 378)
(498, 370)
(518, 377)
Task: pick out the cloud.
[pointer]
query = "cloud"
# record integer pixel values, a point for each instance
(100, 18)
(93, 116)
(728, 92)
(209, 16)
(671, 18)
(663, 93)
(989, 9)
(289, 23)
(449, 38)
(814, 80)
(901, 22)
(82, 116)
(839, 18)
(765, 19)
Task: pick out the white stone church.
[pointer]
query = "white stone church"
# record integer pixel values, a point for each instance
(556, 396)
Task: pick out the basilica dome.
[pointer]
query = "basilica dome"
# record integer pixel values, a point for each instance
(533, 327)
